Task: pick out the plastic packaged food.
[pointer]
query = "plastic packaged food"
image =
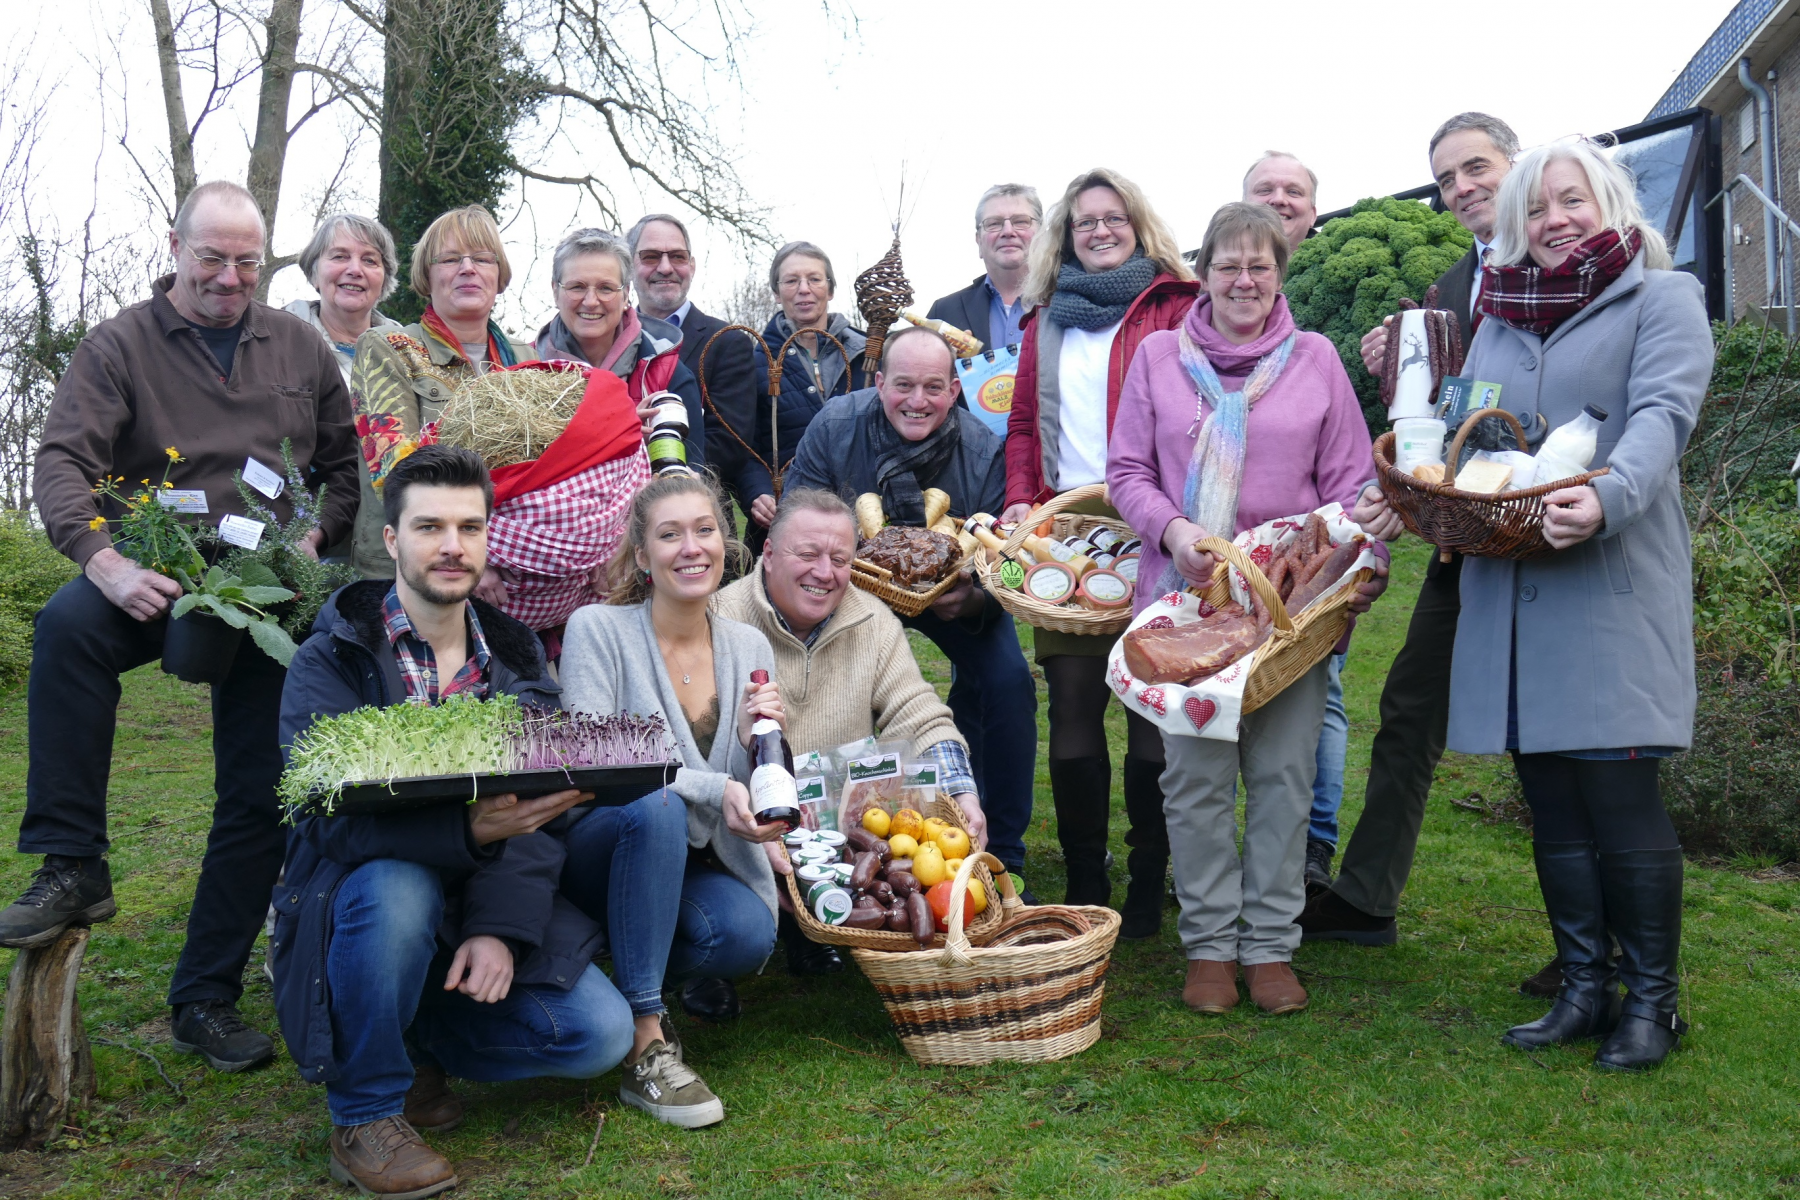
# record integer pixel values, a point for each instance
(1126, 565)
(832, 906)
(1051, 582)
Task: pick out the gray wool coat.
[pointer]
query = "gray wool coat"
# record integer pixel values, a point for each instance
(1604, 629)
(610, 663)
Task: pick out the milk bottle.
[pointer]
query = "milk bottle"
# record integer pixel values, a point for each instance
(1569, 449)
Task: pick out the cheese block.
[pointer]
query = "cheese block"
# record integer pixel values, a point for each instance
(1103, 591)
(1052, 582)
(1483, 477)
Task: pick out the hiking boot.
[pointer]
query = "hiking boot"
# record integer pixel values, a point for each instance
(1274, 989)
(711, 1000)
(1318, 866)
(658, 1082)
(64, 891)
(430, 1104)
(1211, 986)
(1328, 917)
(214, 1030)
(388, 1158)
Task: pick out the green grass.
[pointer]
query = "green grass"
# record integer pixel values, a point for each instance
(1394, 1083)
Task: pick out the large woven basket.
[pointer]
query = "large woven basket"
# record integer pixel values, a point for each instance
(1060, 618)
(1032, 994)
(1502, 525)
(1297, 643)
(981, 930)
(879, 582)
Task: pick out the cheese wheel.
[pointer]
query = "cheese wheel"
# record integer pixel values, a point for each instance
(1103, 591)
(1052, 582)
(1126, 565)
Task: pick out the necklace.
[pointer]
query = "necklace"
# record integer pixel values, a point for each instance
(669, 654)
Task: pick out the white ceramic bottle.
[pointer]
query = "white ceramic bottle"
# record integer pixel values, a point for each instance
(1569, 449)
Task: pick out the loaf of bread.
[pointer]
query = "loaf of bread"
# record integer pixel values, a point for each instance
(917, 558)
(1429, 472)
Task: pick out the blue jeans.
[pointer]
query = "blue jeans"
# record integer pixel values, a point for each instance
(624, 870)
(385, 969)
(724, 931)
(994, 700)
(1334, 743)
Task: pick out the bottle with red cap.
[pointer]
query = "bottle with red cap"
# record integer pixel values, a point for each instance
(773, 794)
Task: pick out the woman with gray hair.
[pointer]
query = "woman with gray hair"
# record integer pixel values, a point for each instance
(1580, 664)
(812, 372)
(595, 325)
(351, 263)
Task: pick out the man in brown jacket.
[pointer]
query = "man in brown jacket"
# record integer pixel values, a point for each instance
(203, 368)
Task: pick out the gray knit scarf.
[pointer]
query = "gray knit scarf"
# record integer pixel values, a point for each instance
(904, 469)
(1093, 300)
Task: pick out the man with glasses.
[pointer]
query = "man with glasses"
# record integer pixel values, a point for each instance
(843, 662)
(664, 272)
(1006, 218)
(201, 381)
(896, 439)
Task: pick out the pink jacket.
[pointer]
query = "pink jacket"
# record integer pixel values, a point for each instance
(1307, 444)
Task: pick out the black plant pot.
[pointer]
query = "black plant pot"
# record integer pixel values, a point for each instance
(200, 648)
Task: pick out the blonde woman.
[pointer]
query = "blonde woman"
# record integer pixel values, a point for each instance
(1105, 273)
(1580, 664)
(403, 377)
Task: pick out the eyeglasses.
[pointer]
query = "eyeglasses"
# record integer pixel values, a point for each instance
(212, 264)
(1089, 224)
(1230, 271)
(604, 291)
(486, 262)
(651, 258)
(996, 224)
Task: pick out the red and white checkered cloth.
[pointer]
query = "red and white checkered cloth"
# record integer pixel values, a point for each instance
(553, 539)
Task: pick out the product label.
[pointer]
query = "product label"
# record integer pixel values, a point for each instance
(810, 763)
(867, 770)
(1012, 575)
(268, 482)
(921, 775)
(810, 788)
(240, 531)
(772, 787)
(183, 500)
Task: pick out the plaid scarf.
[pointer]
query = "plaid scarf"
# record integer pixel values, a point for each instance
(500, 351)
(419, 665)
(1538, 299)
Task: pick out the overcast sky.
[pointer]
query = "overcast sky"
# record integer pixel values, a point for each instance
(953, 95)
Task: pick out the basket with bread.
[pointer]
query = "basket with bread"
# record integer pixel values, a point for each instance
(905, 566)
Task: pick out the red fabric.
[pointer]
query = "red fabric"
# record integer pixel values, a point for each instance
(654, 375)
(1536, 299)
(555, 541)
(1163, 305)
(605, 427)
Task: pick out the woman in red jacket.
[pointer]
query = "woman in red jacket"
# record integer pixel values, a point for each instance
(1105, 273)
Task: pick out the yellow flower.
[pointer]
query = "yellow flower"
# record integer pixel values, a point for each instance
(97, 523)
(167, 484)
(145, 482)
(174, 456)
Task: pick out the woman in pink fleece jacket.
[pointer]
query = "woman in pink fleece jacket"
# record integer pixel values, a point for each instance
(1262, 416)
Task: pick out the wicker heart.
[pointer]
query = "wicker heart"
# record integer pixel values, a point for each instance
(1153, 696)
(1199, 711)
(1160, 623)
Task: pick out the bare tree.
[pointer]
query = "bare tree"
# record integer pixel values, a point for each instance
(750, 302)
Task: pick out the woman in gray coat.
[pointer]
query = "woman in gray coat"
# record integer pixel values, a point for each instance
(654, 647)
(1581, 663)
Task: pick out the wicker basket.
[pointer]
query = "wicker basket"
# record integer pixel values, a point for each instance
(1504, 525)
(1297, 643)
(879, 582)
(1060, 618)
(984, 927)
(1032, 994)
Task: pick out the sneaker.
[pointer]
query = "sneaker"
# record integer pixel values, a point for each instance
(667, 1088)
(430, 1104)
(214, 1030)
(1328, 917)
(64, 891)
(389, 1158)
(1318, 866)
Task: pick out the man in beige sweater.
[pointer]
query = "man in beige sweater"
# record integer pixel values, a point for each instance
(842, 659)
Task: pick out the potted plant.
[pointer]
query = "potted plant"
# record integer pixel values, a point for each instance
(278, 559)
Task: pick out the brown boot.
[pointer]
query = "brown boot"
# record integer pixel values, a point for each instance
(430, 1104)
(1211, 986)
(388, 1158)
(1274, 988)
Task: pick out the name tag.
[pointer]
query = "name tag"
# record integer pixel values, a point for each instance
(240, 531)
(183, 500)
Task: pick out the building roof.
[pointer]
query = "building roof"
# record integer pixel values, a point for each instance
(1758, 29)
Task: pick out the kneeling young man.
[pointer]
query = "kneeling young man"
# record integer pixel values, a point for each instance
(448, 941)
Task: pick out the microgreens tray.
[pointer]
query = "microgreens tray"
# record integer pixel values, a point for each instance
(612, 787)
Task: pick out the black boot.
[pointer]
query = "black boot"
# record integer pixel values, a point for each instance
(1148, 838)
(63, 892)
(1082, 789)
(1587, 1004)
(1643, 905)
(805, 956)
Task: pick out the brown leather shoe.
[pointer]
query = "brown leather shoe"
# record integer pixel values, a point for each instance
(388, 1158)
(1211, 986)
(1274, 989)
(430, 1104)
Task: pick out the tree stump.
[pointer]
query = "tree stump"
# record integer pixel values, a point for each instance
(46, 1064)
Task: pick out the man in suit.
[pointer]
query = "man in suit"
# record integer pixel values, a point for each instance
(664, 271)
(1007, 217)
(1470, 154)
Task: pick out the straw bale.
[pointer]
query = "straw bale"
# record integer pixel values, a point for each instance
(509, 417)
